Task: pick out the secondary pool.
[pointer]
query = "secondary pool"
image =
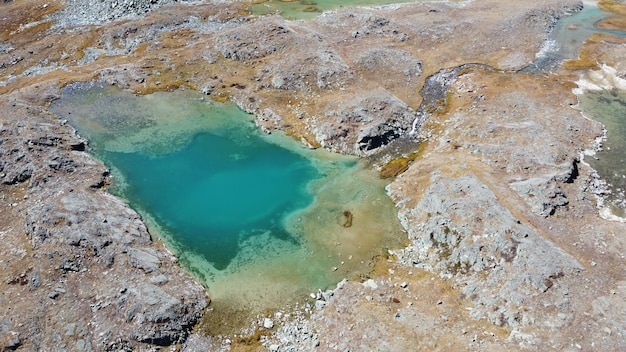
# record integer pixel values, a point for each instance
(303, 9)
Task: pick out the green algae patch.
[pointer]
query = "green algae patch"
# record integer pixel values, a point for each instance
(395, 167)
(399, 165)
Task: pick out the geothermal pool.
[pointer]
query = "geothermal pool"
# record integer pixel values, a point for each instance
(260, 220)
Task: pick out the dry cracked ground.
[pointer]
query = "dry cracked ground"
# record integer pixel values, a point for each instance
(506, 249)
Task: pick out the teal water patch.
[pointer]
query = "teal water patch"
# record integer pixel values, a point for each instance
(217, 191)
(210, 182)
(609, 107)
(303, 9)
(261, 221)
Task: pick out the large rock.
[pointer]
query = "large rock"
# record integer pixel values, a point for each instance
(363, 124)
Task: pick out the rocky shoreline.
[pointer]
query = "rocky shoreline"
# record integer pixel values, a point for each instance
(506, 248)
(80, 269)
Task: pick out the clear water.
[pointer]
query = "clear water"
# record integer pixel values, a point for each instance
(257, 218)
(303, 9)
(609, 107)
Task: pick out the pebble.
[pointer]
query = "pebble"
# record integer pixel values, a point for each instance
(319, 304)
(371, 284)
(268, 323)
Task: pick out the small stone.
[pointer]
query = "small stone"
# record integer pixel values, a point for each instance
(371, 284)
(404, 284)
(334, 268)
(12, 341)
(327, 295)
(53, 294)
(274, 348)
(159, 279)
(268, 323)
